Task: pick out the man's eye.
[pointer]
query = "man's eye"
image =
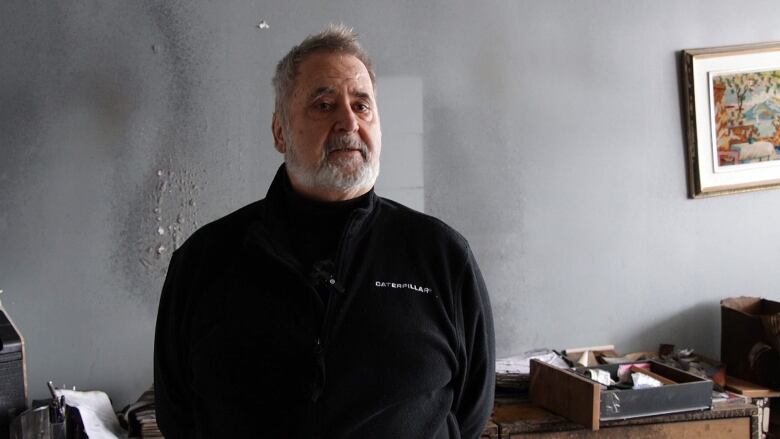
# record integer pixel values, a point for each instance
(324, 106)
(361, 107)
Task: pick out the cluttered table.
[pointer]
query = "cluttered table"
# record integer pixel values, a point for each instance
(595, 393)
(514, 418)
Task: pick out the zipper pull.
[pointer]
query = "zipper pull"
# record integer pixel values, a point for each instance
(335, 285)
(317, 346)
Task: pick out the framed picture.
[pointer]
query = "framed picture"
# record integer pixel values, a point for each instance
(732, 99)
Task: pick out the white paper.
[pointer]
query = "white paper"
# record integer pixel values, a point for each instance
(601, 376)
(97, 414)
(522, 363)
(642, 381)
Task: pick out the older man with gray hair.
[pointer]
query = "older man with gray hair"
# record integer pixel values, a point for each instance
(324, 310)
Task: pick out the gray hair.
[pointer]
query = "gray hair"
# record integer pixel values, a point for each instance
(336, 38)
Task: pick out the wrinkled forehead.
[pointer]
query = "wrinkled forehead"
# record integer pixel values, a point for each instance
(335, 72)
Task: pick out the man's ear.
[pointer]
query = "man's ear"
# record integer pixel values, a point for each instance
(276, 127)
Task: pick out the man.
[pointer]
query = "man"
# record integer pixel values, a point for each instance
(324, 310)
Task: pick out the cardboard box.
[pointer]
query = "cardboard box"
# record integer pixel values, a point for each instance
(587, 402)
(749, 353)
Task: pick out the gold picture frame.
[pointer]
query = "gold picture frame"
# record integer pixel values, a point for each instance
(732, 104)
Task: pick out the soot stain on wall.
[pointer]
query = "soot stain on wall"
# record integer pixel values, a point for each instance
(166, 214)
(175, 215)
(163, 210)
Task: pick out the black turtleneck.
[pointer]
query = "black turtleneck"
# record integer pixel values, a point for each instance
(316, 227)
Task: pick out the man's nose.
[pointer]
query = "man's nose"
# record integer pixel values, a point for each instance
(346, 120)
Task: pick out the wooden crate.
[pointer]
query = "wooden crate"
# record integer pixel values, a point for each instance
(588, 403)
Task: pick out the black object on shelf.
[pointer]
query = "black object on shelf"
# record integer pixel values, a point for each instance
(13, 380)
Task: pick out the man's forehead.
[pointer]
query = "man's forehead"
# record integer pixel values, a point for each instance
(324, 73)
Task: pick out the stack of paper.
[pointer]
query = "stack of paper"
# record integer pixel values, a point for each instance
(141, 418)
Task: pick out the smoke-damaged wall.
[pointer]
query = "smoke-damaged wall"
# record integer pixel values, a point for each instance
(548, 133)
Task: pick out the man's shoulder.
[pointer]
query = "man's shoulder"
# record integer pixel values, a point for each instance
(227, 230)
(415, 223)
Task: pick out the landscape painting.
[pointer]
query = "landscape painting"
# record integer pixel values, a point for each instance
(747, 117)
(732, 113)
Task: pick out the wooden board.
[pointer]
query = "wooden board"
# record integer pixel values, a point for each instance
(712, 429)
(566, 394)
(746, 388)
(515, 416)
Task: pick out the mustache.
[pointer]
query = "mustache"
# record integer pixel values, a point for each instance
(346, 141)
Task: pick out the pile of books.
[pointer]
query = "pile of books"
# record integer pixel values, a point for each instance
(140, 417)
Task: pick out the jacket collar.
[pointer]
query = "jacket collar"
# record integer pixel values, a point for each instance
(270, 229)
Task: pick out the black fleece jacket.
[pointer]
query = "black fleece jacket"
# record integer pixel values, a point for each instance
(245, 346)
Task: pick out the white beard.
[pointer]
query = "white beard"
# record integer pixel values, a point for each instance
(335, 174)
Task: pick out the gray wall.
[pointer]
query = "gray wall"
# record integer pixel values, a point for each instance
(548, 132)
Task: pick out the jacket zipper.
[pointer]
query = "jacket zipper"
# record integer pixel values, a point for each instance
(335, 292)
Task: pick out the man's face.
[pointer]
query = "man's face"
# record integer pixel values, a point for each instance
(332, 138)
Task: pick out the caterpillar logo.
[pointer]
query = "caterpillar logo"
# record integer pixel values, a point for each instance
(403, 286)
